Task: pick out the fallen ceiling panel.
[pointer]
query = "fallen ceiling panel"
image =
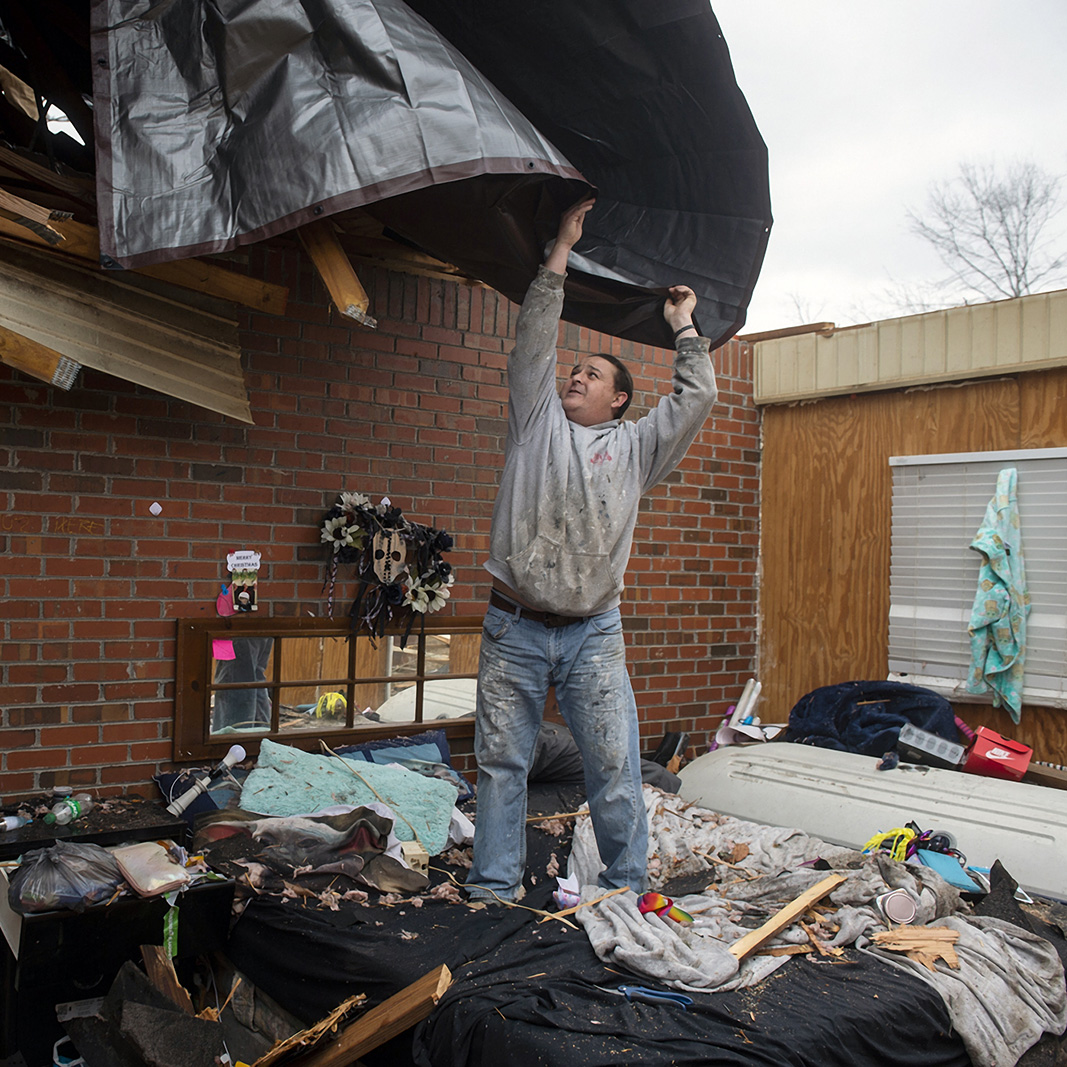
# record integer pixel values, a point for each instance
(116, 324)
(465, 126)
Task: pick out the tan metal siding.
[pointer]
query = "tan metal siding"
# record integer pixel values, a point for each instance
(1028, 333)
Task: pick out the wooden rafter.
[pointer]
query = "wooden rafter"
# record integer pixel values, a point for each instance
(79, 188)
(83, 243)
(32, 216)
(382, 252)
(37, 360)
(321, 243)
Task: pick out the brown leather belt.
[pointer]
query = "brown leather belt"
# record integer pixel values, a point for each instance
(546, 618)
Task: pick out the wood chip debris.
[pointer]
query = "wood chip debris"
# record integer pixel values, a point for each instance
(924, 944)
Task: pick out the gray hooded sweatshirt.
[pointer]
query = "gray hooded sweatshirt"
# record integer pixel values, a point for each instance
(565, 513)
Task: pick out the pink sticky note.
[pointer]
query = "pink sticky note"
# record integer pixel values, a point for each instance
(222, 648)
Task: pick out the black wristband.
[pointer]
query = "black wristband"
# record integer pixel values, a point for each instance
(678, 333)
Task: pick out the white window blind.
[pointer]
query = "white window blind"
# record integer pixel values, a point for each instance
(939, 502)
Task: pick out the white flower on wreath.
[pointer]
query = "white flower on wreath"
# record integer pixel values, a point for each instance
(340, 534)
(429, 596)
(353, 501)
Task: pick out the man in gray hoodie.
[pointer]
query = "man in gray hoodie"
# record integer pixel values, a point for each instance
(562, 530)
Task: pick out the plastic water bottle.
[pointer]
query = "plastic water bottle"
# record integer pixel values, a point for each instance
(69, 809)
(13, 822)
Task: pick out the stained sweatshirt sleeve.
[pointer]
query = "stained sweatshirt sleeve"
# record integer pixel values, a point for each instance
(667, 431)
(532, 363)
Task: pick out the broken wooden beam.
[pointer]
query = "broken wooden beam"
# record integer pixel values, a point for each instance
(83, 242)
(81, 189)
(923, 944)
(322, 244)
(37, 360)
(32, 216)
(305, 1038)
(160, 970)
(786, 916)
(393, 1016)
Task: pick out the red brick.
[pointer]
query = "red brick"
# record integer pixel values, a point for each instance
(69, 736)
(130, 731)
(98, 755)
(38, 758)
(36, 674)
(18, 785)
(11, 739)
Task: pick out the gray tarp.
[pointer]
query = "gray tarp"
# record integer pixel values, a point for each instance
(224, 122)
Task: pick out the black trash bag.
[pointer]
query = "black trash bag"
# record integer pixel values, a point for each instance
(66, 875)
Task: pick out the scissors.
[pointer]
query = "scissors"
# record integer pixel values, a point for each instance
(652, 996)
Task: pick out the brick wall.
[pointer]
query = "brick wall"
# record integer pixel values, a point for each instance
(91, 582)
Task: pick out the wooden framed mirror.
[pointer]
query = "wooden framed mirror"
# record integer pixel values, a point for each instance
(241, 679)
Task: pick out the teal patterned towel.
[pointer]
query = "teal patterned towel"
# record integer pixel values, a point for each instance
(1001, 602)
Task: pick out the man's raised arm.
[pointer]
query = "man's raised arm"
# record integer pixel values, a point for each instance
(532, 363)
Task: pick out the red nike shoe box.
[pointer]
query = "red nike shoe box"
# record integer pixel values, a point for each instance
(996, 756)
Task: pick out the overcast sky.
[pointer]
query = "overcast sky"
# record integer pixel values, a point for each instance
(864, 103)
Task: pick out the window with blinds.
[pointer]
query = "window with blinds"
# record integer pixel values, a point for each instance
(939, 503)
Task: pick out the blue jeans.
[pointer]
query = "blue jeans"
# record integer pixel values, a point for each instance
(586, 662)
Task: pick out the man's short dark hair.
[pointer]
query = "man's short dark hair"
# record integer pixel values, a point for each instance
(624, 382)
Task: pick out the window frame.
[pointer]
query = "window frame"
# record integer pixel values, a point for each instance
(193, 681)
(949, 510)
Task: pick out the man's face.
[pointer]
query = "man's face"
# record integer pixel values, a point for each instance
(589, 395)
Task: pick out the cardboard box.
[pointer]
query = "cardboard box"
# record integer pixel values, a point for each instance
(996, 756)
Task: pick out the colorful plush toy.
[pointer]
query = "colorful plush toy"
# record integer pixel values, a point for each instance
(663, 906)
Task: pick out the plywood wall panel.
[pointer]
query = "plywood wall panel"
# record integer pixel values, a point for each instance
(825, 514)
(1043, 409)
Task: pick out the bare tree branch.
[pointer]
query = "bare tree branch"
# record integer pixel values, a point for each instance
(992, 231)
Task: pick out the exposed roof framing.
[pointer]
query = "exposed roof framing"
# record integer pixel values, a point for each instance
(117, 324)
(48, 204)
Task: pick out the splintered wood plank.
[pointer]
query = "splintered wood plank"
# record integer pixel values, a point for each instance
(160, 970)
(380, 1024)
(78, 188)
(79, 240)
(924, 944)
(83, 242)
(30, 216)
(785, 917)
(322, 244)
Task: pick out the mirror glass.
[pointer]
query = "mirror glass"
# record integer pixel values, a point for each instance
(299, 679)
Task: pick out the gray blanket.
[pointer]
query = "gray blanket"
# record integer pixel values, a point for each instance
(1007, 991)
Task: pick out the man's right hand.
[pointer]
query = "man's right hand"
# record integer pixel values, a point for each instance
(568, 234)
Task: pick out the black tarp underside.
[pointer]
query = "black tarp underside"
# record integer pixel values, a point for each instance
(850, 1012)
(528, 992)
(464, 126)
